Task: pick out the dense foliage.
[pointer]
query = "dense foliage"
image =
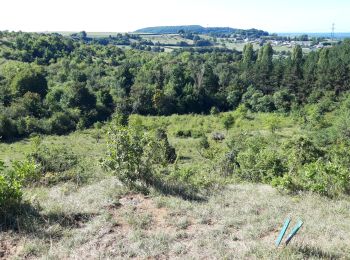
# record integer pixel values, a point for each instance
(12, 180)
(55, 84)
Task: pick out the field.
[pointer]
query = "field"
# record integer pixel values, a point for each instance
(168, 41)
(93, 216)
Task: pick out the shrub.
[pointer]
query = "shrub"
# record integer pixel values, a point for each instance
(342, 126)
(241, 112)
(255, 159)
(52, 159)
(26, 171)
(228, 164)
(134, 156)
(273, 123)
(7, 128)
(30, 79)
(283, 100)
(228, 121)
(203, 142)
(12, 180)
(191, 180)
(162, 138)
(301, 150)
(260, 166)
(325, 178)
(10, 188)
(62, 123)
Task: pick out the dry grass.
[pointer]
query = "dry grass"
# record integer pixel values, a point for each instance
(241, 221)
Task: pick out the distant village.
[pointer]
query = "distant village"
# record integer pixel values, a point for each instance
(276, 41)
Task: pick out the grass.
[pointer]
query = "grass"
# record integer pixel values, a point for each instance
(100, 219)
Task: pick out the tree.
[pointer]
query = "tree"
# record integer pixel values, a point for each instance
(248, 55)
(62, 123)
(264, 68)
(7, 128)
(31, 79)
(80, 96)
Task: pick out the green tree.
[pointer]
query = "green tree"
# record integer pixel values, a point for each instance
(30, 79)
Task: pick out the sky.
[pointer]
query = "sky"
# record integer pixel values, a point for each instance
(127, 16)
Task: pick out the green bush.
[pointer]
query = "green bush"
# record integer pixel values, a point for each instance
(27, 171)
(214, 111)
(10, 187)
(7, 128)
(260, 165)
(273, 123)
(302, 150)
(254, 158)
(62, 123)
(203, 142)
(283, 100)
(228, 121)
(325, 178)
(52, 159)
(162, 138)
(134, 156)
(12, 181)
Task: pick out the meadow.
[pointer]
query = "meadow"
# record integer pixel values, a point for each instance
(87, 213)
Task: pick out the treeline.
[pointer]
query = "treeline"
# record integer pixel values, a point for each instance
(197, 29)
(55, 84)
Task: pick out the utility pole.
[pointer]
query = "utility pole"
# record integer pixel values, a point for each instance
(333, 28)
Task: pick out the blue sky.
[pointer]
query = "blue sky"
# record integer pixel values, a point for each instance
(123, 16)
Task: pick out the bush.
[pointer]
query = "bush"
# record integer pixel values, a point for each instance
(191, 179)
(62, 123)
(134, 156)
(7, 128)
(241, 112)
(228, 121)
(52, 159)
(273, 123)
(12, 180)
(27, 171)
(283, 100)
(301, 150)
(228, 164)
(203, 142)
(260, 165)
(30, 79)
(325, 178)
(10, 187)
(254, 159)
(162, 138)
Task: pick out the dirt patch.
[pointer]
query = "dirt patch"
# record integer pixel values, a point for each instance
(140, 205)
(9, 246)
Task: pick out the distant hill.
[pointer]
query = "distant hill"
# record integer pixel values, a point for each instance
(201, 30)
